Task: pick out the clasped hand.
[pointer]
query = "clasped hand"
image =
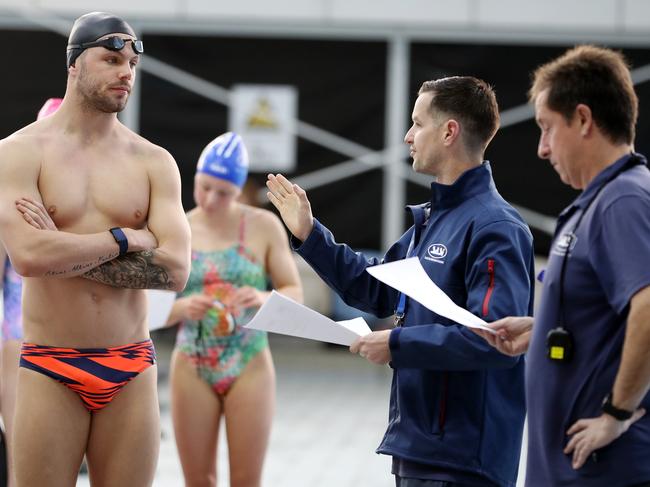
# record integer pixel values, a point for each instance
(195, 306)
(35, 214)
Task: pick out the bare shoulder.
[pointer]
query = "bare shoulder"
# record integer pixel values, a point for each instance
(22, 149)
(23, 138)
(159, 155)
(266, 223)
(143, 147)
(21, 156)
(157, 160)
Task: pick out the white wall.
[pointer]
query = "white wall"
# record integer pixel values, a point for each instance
(464, 17)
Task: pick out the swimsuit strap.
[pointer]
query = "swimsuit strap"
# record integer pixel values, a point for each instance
(242, 232)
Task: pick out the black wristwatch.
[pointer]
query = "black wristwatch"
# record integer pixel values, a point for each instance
(609, 408)
(121, 239)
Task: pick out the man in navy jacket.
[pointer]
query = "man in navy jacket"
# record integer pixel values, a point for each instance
(457, 405)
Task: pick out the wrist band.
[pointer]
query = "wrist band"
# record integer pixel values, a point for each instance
(121, 239)
(609, 408)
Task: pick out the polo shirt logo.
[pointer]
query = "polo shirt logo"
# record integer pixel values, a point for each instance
(436, 253)
(565, 243)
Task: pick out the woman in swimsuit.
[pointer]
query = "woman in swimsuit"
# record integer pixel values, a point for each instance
(219, 368)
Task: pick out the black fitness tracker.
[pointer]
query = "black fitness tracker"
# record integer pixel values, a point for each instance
(121, 239)
(609, 408)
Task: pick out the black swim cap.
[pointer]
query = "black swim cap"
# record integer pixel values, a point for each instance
(90, 27)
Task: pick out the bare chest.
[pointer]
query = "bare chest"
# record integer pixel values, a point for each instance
(85, 191)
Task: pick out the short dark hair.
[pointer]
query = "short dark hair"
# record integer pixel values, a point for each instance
(471, 101)
(596, 77)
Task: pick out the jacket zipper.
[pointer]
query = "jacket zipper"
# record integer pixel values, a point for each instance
(442, 415)
(488, 293)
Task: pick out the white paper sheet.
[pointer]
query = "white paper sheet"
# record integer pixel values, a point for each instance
(409, 277)
(160, 305)
(280, 314)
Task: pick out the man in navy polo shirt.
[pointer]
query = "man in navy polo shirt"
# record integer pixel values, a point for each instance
(456, 405)
(587, 366)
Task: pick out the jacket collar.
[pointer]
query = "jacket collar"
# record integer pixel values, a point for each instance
(471, 183)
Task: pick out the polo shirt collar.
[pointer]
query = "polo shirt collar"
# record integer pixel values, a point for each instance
(628, 160)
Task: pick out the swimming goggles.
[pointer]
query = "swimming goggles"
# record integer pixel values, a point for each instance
(113, 43)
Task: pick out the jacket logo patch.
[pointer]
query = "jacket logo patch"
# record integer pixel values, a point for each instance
(436, 253)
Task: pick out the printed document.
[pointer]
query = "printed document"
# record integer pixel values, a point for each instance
(280, 314)
(409, 277)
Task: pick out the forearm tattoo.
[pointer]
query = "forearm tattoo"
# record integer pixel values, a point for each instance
(135, 270)
(76, 269)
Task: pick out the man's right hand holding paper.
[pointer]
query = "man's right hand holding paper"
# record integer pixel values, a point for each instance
(512, 334)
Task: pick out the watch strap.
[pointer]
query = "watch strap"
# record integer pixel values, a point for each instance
(617, 413)
(120, 238)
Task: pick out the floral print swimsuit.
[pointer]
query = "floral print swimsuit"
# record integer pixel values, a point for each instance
(218, 345)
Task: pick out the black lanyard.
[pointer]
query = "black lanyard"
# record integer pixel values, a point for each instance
(559, 341)
(571, 236)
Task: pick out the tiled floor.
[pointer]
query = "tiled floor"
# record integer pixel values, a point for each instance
(331, 413)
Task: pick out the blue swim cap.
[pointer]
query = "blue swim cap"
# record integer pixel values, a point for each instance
(225, 158)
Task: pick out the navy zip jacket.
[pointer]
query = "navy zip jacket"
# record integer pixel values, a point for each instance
(456, 403)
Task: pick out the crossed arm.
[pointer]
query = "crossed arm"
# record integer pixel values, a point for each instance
(38, 253)
(158, 256)
(167, 265)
